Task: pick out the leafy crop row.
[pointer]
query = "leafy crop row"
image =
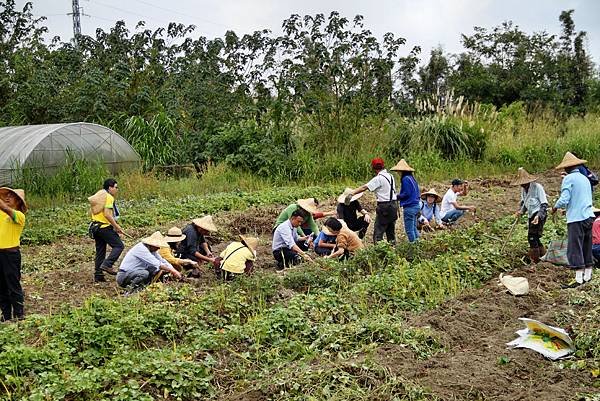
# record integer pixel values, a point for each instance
(285, 338)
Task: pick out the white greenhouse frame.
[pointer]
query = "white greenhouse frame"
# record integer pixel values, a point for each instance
(47, 147)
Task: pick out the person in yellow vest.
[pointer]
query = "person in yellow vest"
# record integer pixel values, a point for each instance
(173, 238)
(12, 221)
(105, 230)
(237, 258)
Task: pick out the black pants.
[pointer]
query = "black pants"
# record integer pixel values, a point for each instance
(106, 236)
(535, 231)
(579, 245)
(285, 257)
(12, 298)
(361, 226)
(385, 221)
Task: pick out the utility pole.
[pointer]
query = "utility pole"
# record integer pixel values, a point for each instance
(76, 21)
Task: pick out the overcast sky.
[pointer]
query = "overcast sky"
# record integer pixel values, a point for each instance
(422, 22)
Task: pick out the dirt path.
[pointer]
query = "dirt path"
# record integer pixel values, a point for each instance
(475, 328)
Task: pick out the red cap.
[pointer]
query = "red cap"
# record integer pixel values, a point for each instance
(377, 163)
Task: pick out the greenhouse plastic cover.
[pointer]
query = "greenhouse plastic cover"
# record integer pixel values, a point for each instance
(46, 146)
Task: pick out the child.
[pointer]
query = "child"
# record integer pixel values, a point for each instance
(325, 242)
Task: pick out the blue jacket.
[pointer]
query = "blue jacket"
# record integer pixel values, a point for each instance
(409, 191)
(576, 197)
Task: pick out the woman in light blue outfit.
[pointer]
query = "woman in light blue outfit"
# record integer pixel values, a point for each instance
(430, 211)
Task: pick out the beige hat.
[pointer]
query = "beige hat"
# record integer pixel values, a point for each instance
(156, 240)
(402, 166)
(342, 197)
(570, 160)
(523, 177)
(515, 285)
(595, 210)
(206, 223)
(308, 204)
(251, 242)
(174, 235)
(19, 193)
(432, 192)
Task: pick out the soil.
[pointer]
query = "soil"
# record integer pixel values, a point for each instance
(474, 327)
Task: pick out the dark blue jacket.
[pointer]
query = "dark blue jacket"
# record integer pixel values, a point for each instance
(409, 191)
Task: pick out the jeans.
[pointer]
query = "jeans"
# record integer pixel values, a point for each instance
(137, 278)
(596, 253)
(410, 222)
(107, 236)
(11, 293)
(453, 215)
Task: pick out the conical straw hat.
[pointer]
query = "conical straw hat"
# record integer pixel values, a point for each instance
(402, 166)
(523, 177)
(174, 235)
(595, 210)
(19, 193)
(156, 239)
(570, 160)
(432, 192)
(515, 285)
(206, 223)
(251, 242)
(307, 204)
(342, 197)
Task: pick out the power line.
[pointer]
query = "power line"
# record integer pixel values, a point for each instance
(180, 13)
(129, 12)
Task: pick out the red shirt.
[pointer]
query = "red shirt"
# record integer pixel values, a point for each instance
(596, 232)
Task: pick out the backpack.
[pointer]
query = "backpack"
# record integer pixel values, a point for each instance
(593, 177)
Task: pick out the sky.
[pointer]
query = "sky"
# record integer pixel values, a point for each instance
(426, 23)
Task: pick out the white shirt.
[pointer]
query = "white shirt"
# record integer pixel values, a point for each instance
(285, 235)
(381, 185)
(447, 205)
(139, 257)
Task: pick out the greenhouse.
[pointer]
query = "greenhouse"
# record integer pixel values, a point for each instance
(49, 146)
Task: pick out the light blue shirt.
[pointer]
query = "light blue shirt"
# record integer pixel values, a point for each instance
(284, 236)
(576, 197)
(140, 258)
(428, 213)
(532, 199)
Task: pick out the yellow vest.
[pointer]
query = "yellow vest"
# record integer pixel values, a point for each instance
(11, 229)
(100, 217)
(234, 261)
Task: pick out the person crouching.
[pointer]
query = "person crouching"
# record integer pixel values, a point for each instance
(238, 258)
(286, 243)
(347, 241)
(142, 263)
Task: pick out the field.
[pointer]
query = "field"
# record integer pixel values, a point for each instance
(411, 323)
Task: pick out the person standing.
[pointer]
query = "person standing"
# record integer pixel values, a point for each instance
(349, 213)
(576, 198)
(408, 198)
(534, 202)
(596, 237)
(105, 230)
(12, 222)
(451, 210)
(386, 213)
